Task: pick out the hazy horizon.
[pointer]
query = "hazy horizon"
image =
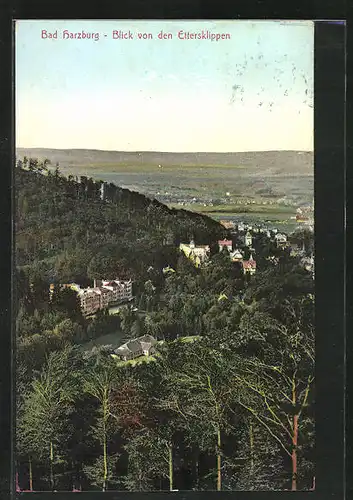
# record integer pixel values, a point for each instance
(168, 151)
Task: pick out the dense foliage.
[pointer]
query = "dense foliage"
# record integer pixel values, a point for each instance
(226, 403)
(66, 231)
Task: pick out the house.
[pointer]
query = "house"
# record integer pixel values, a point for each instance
(297, 250)
(142, 346)
(148, 344)
(198, 254)
(236, 256)
(225, 243)
(129, 350)
(308, 263)
(249, 266)
(247, 239)
(281, 240)
(228, 224)
(241, 227)
(301, 218)
(301, 215)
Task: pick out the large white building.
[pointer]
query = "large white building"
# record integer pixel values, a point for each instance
(101, 295)
(120, 290)
(90, 301)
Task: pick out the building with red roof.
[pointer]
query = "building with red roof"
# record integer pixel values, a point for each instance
(249, 266)
(225, 243)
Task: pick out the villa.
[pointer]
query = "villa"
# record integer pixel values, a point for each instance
(225, 243)
(249, 266)
(142, 346)
(236, 256)
(198, 254)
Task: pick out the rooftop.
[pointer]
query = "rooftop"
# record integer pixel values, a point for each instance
(248, 264)
(135, 345)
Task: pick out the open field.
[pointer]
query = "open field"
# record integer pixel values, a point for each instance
(274, 215)
(256, 210)
(228, 181)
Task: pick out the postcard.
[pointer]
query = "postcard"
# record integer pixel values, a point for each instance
(164, 263)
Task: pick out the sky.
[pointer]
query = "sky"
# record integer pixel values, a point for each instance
(251, 92)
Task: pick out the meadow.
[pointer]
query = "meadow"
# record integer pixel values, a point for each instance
(260, 185)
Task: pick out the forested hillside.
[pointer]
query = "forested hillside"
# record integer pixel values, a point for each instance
(225, 403)
(66, 232)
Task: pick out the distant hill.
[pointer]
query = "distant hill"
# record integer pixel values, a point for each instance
(186, 177)
(276, 161)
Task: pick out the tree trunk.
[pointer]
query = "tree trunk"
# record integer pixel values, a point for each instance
(30, 474)
(219, 461)
(105, 442)
(51, 466)
(251, 442)
(197, 469)
(294, 438)
(313, 485)
(294, 453)
(105, 462)
(170, 450)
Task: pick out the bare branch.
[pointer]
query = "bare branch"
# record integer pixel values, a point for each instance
(252, 411)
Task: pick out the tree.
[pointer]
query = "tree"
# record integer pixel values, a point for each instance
(45, 409)
(99, 382)
(148, 459)
(69, 331)
(128, 317)
(67, 300)
(24, 445)
(151, 439)
(256, 463)
(149, 293)
(201, 396)
(275, 383)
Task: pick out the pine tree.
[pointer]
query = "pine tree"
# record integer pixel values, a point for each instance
(45, 410)
(99, 382)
